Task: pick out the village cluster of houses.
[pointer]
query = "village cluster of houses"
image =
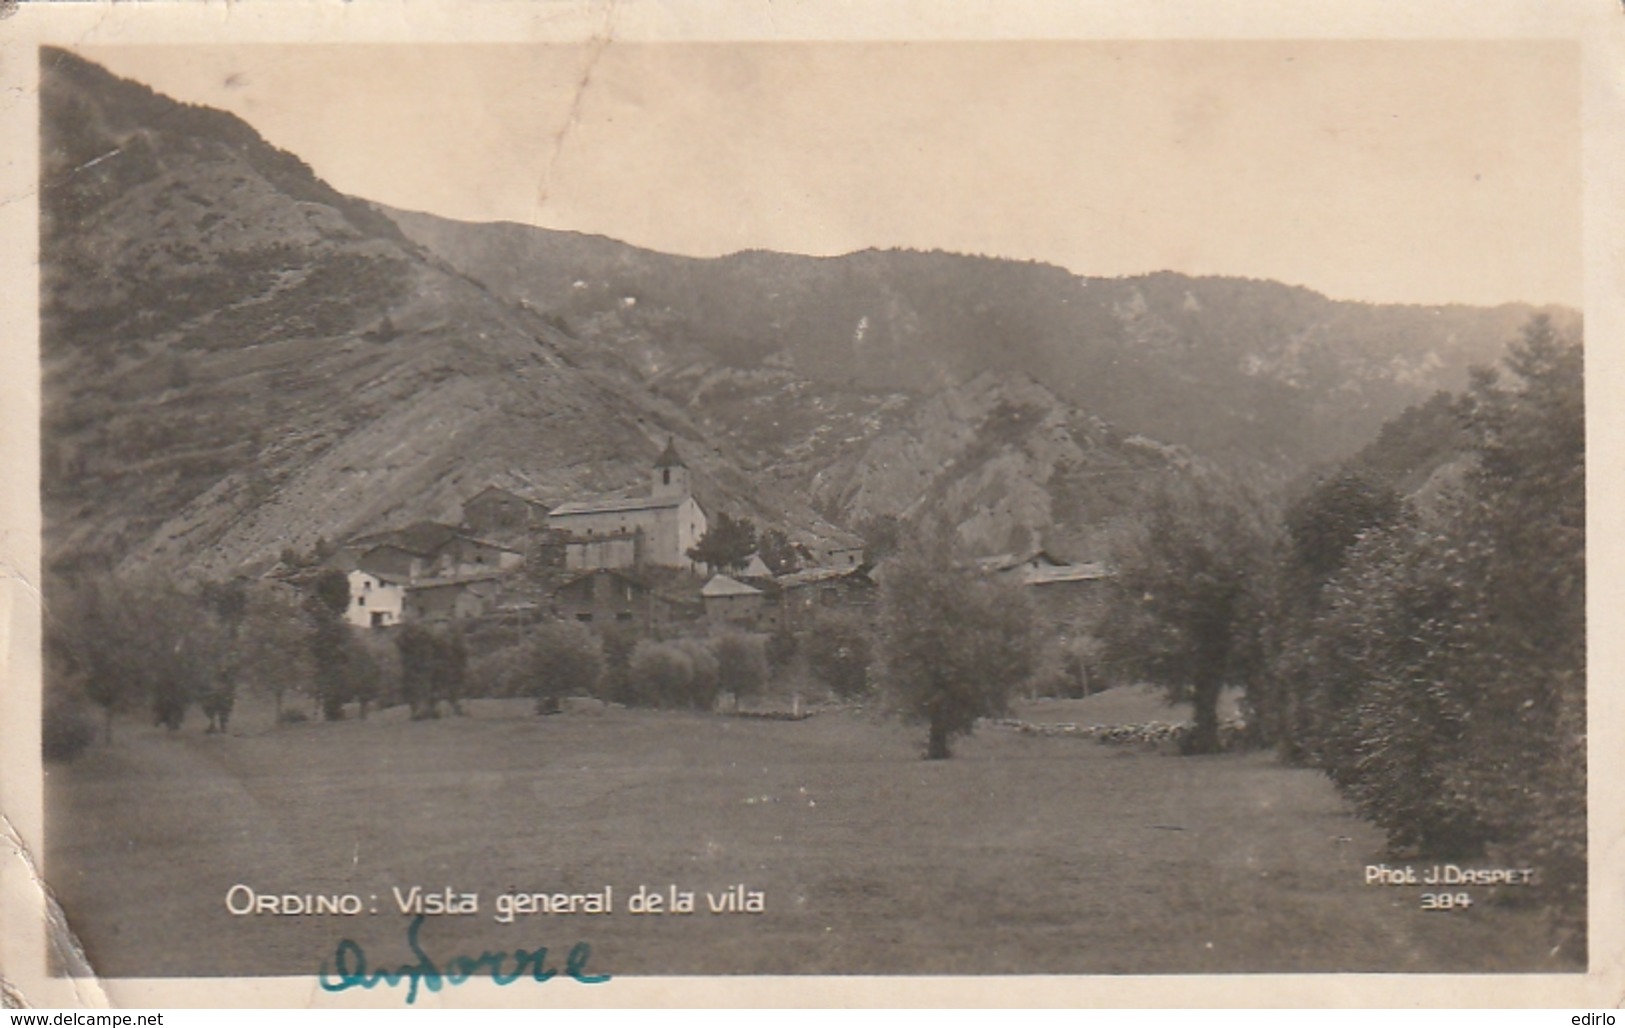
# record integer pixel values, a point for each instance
(624, 560)
(621, 559)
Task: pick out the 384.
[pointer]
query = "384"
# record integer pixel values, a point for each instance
(1446, 901)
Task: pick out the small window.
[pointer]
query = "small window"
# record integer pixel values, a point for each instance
(665, 477)
(585, 616)
(360, 601)
(624, 615)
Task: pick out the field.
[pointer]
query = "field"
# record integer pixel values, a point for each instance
(1022, 855)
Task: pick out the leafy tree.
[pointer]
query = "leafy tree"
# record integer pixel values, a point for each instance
(955, 645)
(1321, 529)
(741, 664)
(727, 543)
(273, 653)
(331, 589)
(563, 658)
(434, 666)
(366, 675)
(839, 652)
(778, 552)
(330, 655)
(229, 603)
(1186, 612)
(1329, 520)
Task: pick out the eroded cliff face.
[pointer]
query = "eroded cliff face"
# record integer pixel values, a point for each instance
(238, 359)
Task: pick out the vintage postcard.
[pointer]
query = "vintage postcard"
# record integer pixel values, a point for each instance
(582, 504)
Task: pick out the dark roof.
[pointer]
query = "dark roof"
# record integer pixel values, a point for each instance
(454, 580)
(722, 585)
(670, 459)
(812, 576)
(615, 505)
(424, 538)
(505, 491)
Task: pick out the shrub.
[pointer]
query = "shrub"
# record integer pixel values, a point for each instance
(562, 659)
(617, 643)
(705, 681)
(67, 728)
(502, 673)
(741, 664)
(659, 674)
(781, 649)
(839, 651)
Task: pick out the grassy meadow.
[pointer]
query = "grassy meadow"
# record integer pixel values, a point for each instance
(1022, 855)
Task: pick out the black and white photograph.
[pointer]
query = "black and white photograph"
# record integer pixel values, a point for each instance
(542, 514)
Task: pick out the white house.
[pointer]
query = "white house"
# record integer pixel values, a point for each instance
(376, 599)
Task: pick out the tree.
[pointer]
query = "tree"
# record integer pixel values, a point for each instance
(1330, 519)
(660, 674)
(1185, 610)
(727, 543)
(129, 640)
(778, 552)
(563, 658)
(330, 656)
(434, 667)
(1321, 529)
(955, 644)
(741, 664)
(839, 651)
(330, 652)
(274, 647)
(229, 603)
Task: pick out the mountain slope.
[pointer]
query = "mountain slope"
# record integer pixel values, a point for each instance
(1235, 369)
(238, 359)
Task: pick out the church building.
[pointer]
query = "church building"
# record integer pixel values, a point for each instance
(658, 529)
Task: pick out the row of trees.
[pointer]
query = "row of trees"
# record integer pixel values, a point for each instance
(1427, 652)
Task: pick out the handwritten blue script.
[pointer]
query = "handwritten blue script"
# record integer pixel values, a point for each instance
(503, 968)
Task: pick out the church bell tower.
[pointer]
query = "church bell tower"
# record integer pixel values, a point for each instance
(670, 473)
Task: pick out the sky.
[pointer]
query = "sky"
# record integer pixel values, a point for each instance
(1412, 172)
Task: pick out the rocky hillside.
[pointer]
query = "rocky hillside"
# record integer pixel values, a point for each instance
(1238, 370)
(238, 359)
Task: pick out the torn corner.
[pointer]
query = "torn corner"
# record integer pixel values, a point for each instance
(64, 956)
